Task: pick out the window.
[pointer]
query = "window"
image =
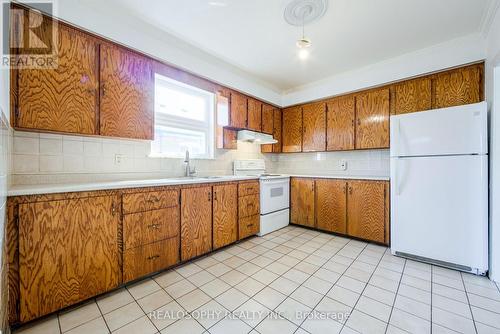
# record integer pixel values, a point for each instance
(184, 120)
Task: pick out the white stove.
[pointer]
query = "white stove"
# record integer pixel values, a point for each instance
(274, 194)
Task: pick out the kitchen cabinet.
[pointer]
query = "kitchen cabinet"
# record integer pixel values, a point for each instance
(225, 138)
(248, 209)
(127, 94)
(292, 130)
(238, 110)
(341, 116)
(196, 222)
(254, 115)
(366, 202)
(63, 99)
(267, 119)
(459, 86)
(277, 131)
(314, 127)
(372, 119)
(225, 215)
(302, 205)
(331, 205)
(413, 95)
(68, 252)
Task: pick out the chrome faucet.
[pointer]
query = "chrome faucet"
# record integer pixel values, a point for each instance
(188, 170)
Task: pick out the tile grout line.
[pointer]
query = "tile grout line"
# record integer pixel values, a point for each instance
(468, 302)
(102, 315)
(396, 296)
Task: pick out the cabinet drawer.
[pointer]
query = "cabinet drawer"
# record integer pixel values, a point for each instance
(248, 188)
(249, 206)
(249, 226)
(151, 200)
(146, 227)
(144, 260)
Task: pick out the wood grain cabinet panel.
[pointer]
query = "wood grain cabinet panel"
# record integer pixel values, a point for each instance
(460, 86)
(68, 252)
(196, 222)
(149, 200)
(63, 99)
(292, 130)
(267, 119)
(248, 206)
(238, 111)
(127, 86)
(225, 215)
(248, 188)
(331, 205)
(413, 95)
(144, 260)
(147, 227)
(248, 226)
(277, 131)
(366, 210)
(340, 123)
(302, 202)
(254, 115)
(314, 127)
(372, 119)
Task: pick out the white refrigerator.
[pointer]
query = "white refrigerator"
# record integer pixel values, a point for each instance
(439, 187)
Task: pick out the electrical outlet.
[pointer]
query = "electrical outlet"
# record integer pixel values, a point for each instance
(119, 159)
(343, 164)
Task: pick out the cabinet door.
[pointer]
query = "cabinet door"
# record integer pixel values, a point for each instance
(254, 115)
(127, 86)
(413, 95)
(292, 129)
(366, 210)
(340, 123)
(302, 201)
(63, 99)
(225, 221)
(68, 252)
(267, 119)
(331, 205)
(457, 87)
(277, 131)
(314, 127)
(196, 222)
(238, 111)
(372, 114)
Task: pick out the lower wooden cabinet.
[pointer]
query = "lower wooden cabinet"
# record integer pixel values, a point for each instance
(357, 208)
(225, 215)
(302, 201)
(196, 222)
(248, 209)
(68, 252)
(147, 259)
(249, 226)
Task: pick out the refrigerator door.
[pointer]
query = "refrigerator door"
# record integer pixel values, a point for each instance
(447, 131)
(439, 209)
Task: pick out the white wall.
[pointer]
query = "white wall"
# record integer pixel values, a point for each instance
(493, 97)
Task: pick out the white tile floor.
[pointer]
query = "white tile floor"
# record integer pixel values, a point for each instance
(292, 281)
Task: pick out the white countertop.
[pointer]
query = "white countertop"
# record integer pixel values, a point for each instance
(38, 189)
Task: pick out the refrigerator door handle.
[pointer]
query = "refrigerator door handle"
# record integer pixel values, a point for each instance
(399, 182)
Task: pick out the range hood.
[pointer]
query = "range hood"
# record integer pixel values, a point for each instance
(256, 137)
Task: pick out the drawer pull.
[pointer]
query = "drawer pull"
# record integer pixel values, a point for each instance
(153, 200)
(153, 257)
(155, 226)
(249, 225)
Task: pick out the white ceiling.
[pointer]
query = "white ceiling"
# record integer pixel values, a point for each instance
(253, 36)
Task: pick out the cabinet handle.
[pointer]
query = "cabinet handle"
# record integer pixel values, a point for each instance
(249, 225)
(345, 189)
(153, 200)
(155, 226)
(103, 89)
(350, 190)
(209, 196)
(153, 257)
(113, 208)
(215, 195)
(359, 122)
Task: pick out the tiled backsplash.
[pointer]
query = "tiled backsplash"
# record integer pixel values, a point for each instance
(47, 158)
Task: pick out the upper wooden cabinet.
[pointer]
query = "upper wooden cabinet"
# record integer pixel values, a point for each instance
(225, 215)
(68, 252)
(302, 201)
(314, 127)
(331, 205)
(292, 130)
(413, 95)
(63, 99)
(254, 115)
(366, 210)
(460, 86)
(372, 119)
(238, 110)
(340, 123)
(196, 222)
(277, 131)
(267, 119)
(127, 85)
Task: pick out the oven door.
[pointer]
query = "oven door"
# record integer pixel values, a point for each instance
(274, 195)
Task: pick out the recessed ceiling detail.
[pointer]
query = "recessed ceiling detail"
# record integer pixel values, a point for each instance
(302, 12)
